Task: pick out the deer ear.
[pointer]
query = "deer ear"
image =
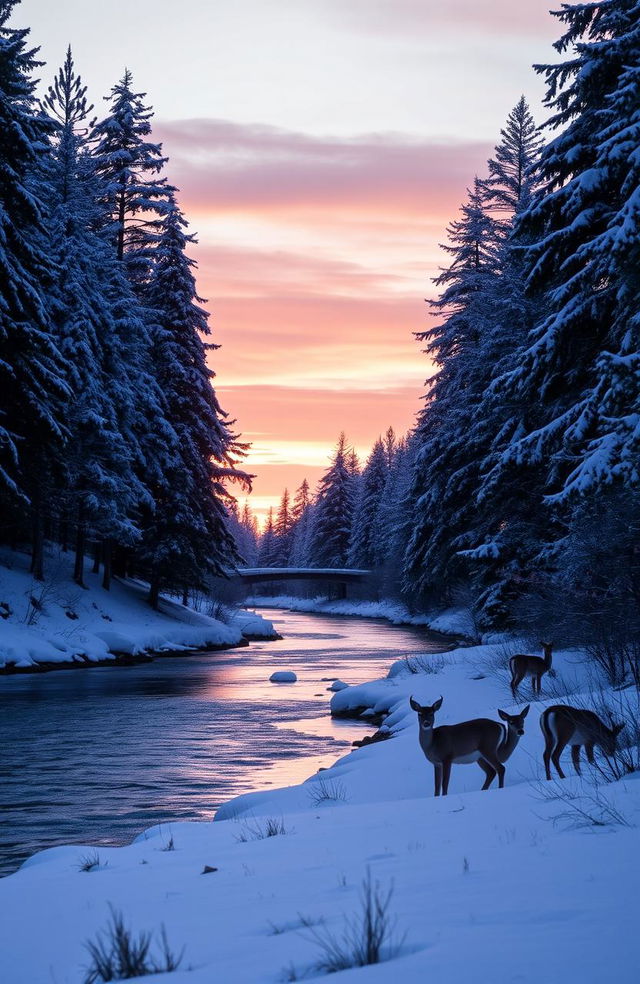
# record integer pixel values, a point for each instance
(503, 715)
(414, 704)
(437, 705)
(526, 711)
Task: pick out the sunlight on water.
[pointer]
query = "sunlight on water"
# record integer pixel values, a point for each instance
(95, 756)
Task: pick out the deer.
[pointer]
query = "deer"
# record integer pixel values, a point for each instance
(562, 726)
(481, 740)
(522, 666)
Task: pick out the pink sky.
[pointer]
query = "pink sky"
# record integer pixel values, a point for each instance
(316, 255)
(321, 148)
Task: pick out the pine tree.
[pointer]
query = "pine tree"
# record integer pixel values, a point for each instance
(301, 533)
(267, 548)
(32, 388)
(447, 460)
(135, 197)
(335, 505)
(100, 491)
(301, 501)
(187, 538)
(282, 529)
(582, 363)
(365, 531)
(511, 178)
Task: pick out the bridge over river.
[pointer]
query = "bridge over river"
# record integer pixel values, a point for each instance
(341, 578)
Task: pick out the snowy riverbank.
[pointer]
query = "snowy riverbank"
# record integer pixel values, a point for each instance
(455, 621)
(507, 886)
(56, 623)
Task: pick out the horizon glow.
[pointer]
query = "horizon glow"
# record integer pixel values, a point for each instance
(321, 148)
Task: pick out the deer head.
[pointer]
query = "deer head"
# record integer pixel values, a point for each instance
(426, 713)
(515, 721)
(610, 742)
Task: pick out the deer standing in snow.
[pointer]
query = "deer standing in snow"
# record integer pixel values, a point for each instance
(535, 667)
(562, 726)
(482, 740)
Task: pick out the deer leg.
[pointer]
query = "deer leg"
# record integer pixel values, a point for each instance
(575, 757)
(589, 750)
(437, 771)
(496, 765)
(555, 757)
(489, 772)
(546, 757)
(446, 774)
(515, 681)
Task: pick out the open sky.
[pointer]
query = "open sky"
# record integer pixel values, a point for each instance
(321, 147)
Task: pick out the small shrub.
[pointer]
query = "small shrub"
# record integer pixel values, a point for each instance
(430, 664)
(270, 827)
(366, 939)
(618, 707)
(589, 808)
(117, 955)
(465, 866)
(170, 845)
(327, 791)
(89, 862)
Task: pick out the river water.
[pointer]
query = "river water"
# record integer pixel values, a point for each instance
(96, 756)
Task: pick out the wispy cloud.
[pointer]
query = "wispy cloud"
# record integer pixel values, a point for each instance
(225, 166)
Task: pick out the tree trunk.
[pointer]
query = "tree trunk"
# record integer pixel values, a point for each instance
(185, 597)
(106, 575)
(81, 540)
(96, 558)
(154, 591)
(37, 545)
(64, 533)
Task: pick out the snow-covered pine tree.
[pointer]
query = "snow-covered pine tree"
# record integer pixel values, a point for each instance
(390, 443)
(187, 539)
(394, 519)
(301, 533)
(582, 363)
(506, 522)
(32, 388)
(577, 379)
(447, 459)
(135, 196)
(335, 505)
(267, 547)
(301, 501)
(244, 529)
(100, 491)
(283, 528)
(248, 546)
(364, 531)
(511, 180)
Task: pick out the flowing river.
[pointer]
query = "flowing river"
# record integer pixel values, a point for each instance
(96, 756)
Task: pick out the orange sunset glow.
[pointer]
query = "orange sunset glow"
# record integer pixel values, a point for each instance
(320, 149)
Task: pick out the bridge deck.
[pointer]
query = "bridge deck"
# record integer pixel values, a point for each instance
(301, 574)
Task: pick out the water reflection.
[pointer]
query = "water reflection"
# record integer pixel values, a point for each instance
(95, 756)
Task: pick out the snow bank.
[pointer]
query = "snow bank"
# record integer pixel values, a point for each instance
(338, 685)
(454, 621)
(57, 622)
(500, 886)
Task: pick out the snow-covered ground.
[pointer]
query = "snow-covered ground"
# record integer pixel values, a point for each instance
(503, 886)
(454, 621)
(57, 622)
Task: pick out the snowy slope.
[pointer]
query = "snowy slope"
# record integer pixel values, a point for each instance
(503, 886)
(453, 621)
(57, 622)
